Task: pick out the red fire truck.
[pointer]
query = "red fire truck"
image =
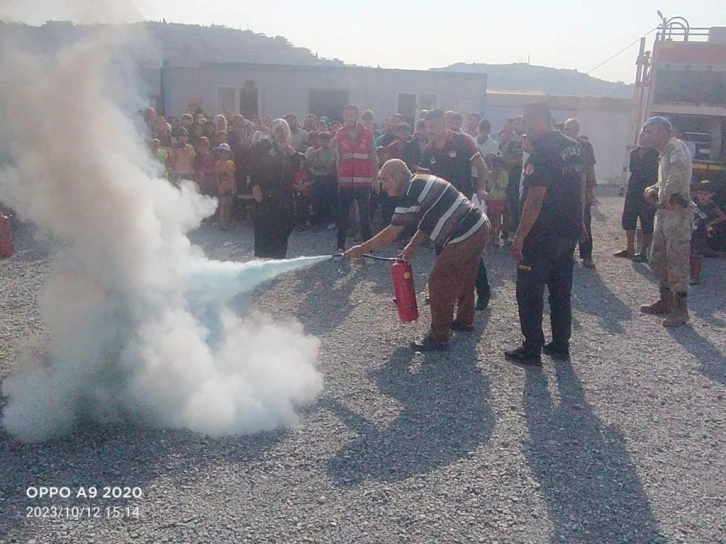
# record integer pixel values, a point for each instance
(683, 78)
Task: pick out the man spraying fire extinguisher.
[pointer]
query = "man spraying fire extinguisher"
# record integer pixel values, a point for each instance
(454, 224)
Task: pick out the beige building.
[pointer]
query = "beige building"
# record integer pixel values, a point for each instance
(260, 89)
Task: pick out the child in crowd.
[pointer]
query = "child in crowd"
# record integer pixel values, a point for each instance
(224, 172)
(304, 185)
(220, 123)
(497, 200)
(197, 132)
(204, 168)
(161, 156)
(182, 157)
(210, 131)
(706, 216)
(187, 121)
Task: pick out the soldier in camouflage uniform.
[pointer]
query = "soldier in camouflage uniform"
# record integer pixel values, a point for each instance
(673, 222)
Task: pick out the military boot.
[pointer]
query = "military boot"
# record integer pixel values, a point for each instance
(679, 312)
(662, 306)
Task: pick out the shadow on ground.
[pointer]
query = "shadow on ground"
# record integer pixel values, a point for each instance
(445, 416)
(335, 280)
(591, 295)
(588, 479)
(711, 359)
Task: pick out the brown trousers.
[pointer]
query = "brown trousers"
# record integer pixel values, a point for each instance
(452, 282)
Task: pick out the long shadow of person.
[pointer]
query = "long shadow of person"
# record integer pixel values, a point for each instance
(644, 270)
(702, 301)
(711, 359)
(589, 481)
(445, 416)
(591, 295)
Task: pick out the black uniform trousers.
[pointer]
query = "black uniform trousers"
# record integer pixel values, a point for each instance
(546, 263)
(346, 196)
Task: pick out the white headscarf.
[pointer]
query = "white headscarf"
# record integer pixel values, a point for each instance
(280, 123)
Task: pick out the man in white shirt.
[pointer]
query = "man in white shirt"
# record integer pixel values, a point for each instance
(486, 144)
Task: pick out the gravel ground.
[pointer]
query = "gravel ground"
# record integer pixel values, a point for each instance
(625, 443)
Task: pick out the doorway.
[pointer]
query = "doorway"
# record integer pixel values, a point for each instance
(406, 106)
(328, 103)
(249, 100)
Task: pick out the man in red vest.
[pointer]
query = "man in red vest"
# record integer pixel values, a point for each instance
(357, 161)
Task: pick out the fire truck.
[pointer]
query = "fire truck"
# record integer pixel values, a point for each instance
(683, 78)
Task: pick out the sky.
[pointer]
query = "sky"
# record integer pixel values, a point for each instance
(424, 34)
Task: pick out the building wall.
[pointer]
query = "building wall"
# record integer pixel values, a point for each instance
(284, 89)
(605, 121)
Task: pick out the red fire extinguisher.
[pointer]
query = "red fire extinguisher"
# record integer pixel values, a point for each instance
(6, 237)
(404, 291)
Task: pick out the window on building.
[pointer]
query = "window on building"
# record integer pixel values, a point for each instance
(328, 103)
(406, 106)
(249, 100)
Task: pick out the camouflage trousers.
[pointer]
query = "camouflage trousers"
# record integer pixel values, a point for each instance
(671, 249)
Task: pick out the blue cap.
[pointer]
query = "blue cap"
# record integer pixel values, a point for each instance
(658, 120)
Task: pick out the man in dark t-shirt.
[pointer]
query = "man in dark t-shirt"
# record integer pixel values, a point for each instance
(450, 155)
(551, 224)
(643, 173)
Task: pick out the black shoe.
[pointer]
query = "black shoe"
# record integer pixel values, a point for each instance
(430, 345)
(523, 356)
(640, 258)
(482, 301)
(461, 327)
(341, 249)
(557, 351)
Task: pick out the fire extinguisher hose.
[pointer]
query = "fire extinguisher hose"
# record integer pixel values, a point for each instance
(369, 256)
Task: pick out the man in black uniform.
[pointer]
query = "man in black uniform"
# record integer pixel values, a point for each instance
(643, 173)
(550, 226)
(450, 155)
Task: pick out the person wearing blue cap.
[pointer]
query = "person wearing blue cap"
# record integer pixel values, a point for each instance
(670, 252)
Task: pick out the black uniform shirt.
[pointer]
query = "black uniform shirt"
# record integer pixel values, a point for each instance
(558, 163)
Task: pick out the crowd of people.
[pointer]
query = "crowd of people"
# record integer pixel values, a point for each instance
(447, 179)
(190, 147)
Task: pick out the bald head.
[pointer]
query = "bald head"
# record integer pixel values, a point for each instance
(394, 175)
(571, 128)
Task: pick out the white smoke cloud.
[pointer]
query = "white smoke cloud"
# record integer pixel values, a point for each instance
(139, 330)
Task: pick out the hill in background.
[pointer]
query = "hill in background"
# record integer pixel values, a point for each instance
(527, 77)
(182, 43)
(175, 42)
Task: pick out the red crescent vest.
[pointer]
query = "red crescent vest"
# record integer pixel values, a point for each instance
(354, 167)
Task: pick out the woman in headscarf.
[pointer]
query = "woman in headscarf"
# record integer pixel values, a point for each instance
(273, 175)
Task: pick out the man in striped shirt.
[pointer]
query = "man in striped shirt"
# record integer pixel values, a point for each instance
(455, 225)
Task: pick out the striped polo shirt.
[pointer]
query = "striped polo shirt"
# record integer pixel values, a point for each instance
(441, 212)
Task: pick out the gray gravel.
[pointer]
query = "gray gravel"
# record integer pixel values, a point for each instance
(624, 444)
